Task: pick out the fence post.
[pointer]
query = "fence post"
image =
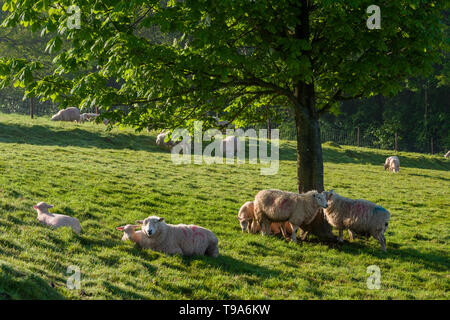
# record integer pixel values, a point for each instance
(432, 149)
(358, 138)
(396, 149)
(31, 108)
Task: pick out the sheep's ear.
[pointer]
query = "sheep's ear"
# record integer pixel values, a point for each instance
(140, 221)
(35, 207)
(50, 206)
(119, 228)
(161, 219)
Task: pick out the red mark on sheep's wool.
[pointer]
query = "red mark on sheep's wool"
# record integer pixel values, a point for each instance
(197, 233)
(185, 232)
(285, 204)
(359, 207)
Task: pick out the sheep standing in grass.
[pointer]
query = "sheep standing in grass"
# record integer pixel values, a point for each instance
(392, 164)
(69, 114)
(130, 233)
(281, 206)
(56, 220)
(246, 216)
(161, 140)
(358, 216)
(182, 239)
(87, 117)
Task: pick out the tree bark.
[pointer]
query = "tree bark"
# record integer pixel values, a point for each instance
(309, 147)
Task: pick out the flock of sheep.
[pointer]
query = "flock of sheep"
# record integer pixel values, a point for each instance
(271, 212)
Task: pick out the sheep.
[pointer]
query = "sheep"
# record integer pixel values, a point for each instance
(87, 117)
(130, 233)
(181, 239)
(56, 220)
(358, 216)
(246, 217)
(69, 114)
(392, 164)
(280, 206)
(230, 146)
(447, 155)
(161, 140)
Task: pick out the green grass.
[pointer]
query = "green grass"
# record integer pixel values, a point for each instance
(107, 179)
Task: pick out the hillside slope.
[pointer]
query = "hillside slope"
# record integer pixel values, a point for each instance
(107, 179)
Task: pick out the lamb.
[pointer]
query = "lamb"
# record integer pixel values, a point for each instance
(130, 233)
(87, 117)
(230, 145)
(56, 220)
(392, 164)
(69, 114)
(447, 155)
(182, 239)
(358, 216)
(246, 216)
(280, 206)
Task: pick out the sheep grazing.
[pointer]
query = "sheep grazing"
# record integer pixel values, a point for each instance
(392, 164)
(56, 220)
(447, 155)
(130, 233)
(182, 239)
(87, 117)
(358, 216)
(281, 206)
(69, 114)
(246, 216)
(229, 146)
(161, 140)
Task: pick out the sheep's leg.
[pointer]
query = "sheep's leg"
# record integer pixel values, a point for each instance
(294, 232)
(283, 230)
(351, 235)
(263, 228)
(303, 234)
(341, 235)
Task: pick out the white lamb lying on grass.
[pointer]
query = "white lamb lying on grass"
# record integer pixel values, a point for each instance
(130, 233)
(56, 220)
(182, 239)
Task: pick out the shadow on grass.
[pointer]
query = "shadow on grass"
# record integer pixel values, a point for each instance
(47, 136)
(16, 284)
(233, 266)
(432, 260)
(364, 156)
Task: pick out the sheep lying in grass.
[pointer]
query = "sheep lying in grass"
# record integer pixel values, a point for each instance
(392, 164)
(130, 233)
(246, 216)
(182, 239)
(281, 206)
(358, 216)
(69, 114)
(56, 220)
(447, 155)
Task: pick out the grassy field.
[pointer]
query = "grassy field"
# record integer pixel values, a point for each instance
(107, 179)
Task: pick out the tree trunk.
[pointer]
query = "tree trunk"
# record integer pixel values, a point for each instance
(309, 158)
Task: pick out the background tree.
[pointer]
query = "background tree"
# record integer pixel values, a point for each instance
(232, 57)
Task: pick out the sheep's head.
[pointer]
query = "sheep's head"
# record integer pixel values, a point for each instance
(321, 200)
(329, 194)
(128, 231)
(151, 225)
(42, 206)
